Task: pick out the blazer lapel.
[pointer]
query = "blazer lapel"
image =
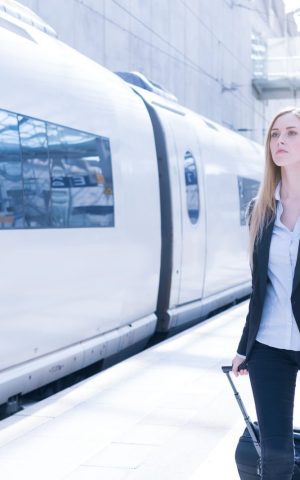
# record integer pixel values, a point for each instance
(296, 279)
(263, 250)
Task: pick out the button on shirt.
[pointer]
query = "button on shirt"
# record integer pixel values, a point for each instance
(278, 327)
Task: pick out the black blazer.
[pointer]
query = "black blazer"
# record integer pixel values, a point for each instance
(259, 285)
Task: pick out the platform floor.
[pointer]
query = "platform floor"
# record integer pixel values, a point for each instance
(166, 414)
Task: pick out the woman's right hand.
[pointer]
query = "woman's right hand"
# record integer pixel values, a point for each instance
(236, 362)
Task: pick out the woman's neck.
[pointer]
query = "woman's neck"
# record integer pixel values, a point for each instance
(290, 185)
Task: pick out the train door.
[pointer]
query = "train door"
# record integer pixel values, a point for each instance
(170, 197)
(193, 239)
(182, 215)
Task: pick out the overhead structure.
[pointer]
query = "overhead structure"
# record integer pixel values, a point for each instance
(276, 68)
(277, 87)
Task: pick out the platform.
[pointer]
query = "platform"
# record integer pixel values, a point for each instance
(167, 413)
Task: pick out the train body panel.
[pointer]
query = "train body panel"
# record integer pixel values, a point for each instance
(224, 153)
(62, 286)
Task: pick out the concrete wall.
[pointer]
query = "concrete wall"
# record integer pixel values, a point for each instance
(198, 49)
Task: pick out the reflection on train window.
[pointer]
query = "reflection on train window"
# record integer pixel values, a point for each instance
(192, 191)
(81, 179)
(36, 174)
(53, 176)
(248, 189)
(11, 187)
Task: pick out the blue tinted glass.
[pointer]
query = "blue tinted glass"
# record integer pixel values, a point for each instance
(192, 192)
(11, 187)
(36, 175)
(53, 176)
(81, 179)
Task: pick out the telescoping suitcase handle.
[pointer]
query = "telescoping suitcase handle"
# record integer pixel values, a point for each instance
(227, 370)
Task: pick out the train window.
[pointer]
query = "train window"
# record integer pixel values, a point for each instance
(81, 179)
(192, 191)
(248, 189)
(36, 174)
(53, 176)
(11, 186)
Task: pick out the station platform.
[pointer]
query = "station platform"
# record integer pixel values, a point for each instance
(167, 413)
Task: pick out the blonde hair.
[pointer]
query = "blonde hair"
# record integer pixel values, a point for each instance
(263, 209)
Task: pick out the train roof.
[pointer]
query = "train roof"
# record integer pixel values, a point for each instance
(156, 99)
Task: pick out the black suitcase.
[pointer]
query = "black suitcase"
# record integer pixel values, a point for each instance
(247, 453)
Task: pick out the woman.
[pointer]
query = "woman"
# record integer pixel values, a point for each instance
(269, 348)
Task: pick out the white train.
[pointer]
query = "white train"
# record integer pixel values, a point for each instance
(121, 212)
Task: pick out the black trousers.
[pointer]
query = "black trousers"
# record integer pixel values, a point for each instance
(273, 373)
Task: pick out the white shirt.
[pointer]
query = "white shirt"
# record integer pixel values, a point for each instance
(278, 327)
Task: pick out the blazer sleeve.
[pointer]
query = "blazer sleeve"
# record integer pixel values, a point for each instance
(242, 347)
(244, 338)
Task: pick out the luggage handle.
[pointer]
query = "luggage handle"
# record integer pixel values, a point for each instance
(227, 369)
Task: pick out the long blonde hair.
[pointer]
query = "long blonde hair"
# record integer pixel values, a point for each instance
(264, 208)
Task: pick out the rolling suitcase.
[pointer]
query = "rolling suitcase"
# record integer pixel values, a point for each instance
(248, 452)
